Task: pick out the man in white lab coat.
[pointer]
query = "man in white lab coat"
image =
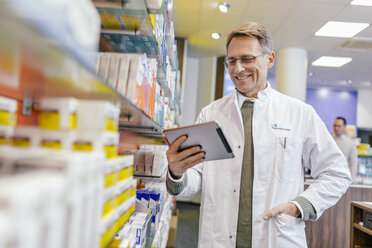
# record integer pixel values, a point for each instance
(257, 199)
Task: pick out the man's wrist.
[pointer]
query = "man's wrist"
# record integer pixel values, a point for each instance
(296, 211)
(173, 175)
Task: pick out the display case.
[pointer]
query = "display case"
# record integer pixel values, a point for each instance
(360, 233)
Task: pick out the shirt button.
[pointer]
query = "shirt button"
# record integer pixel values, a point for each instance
(239, 147)
(234, 190)
(230, 236)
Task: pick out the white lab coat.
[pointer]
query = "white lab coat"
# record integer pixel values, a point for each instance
(278, 173)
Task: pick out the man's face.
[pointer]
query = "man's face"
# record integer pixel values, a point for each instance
(339, 127)
(252, 77)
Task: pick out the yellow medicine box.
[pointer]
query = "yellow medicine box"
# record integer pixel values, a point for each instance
(58, 113)
(8, 110)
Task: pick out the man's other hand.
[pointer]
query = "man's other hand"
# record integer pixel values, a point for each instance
(284, 208)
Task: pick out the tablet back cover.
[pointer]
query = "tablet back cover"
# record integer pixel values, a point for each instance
(208, 135)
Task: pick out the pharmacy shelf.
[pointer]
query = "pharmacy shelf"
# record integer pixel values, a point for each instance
(50, 70)
(150, 176)
(127, 29)
(126, 41)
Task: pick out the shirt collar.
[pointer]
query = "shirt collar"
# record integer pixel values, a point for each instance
(263, 94)
(340, 137)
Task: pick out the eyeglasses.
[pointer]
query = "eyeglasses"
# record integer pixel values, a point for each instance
(244, 61)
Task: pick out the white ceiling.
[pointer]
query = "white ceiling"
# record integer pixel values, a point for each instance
(292, 23)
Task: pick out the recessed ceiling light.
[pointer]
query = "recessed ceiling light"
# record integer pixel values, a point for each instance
(216, 36)
(341, 29)
(311, 74)
(323, 92)
(328, 61)
(362, 2)
(224, 7)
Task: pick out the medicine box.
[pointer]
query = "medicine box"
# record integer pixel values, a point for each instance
(57, 139)
(100, 141)
(58, 113)
(98, 115)
(8, 111)
(123, 74)
(26, 137)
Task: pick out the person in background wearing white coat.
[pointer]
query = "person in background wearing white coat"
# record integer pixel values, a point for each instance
(257, 199)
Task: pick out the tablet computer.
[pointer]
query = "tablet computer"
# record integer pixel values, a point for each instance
(208, 135)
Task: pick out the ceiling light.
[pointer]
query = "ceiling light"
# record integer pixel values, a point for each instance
(341, 29)
(311, 74)
(216, 36)
(331, 61)
(224, 7)
(362, 2)
(323, 92)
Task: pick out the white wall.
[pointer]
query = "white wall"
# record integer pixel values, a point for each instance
(190, 92)
(198, 88)
(364, 109)
(207, 82)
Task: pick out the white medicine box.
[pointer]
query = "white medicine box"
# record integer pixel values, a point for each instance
(98, 115)
(100, 141)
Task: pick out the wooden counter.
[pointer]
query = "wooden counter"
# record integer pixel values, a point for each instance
(333, 227)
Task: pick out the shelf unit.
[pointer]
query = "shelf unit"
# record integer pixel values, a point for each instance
(360, 236)
(61, 72)
(129, 30)
(58, 70)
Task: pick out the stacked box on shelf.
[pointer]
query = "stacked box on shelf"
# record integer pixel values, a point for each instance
(119, 197)
(126, 15)
(74, 26)
(161, 236)
(48, 148)
(8, 111)
(74, 147)
(118, 185)
(364, 174)
(32, 213)
(155, 6)
(132, 75)
(150, 160)
(82, 181)
(147, 229)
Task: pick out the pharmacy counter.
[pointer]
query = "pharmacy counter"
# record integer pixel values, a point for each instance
(333, 227)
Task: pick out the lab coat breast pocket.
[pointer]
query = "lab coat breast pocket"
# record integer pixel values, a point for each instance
(289, 231)
(288, 159)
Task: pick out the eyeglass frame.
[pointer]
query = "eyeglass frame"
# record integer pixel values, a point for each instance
(251, 58)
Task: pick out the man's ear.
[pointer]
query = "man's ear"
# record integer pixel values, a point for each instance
(271, 57)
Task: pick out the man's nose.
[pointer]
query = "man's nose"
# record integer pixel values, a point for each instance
(238, 67)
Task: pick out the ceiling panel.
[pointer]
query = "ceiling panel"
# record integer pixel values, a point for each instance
(323, 43)
(189, 6)
(270, 8)
(295, 32)
(184, 25)
(316, 11)
(353, 13)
